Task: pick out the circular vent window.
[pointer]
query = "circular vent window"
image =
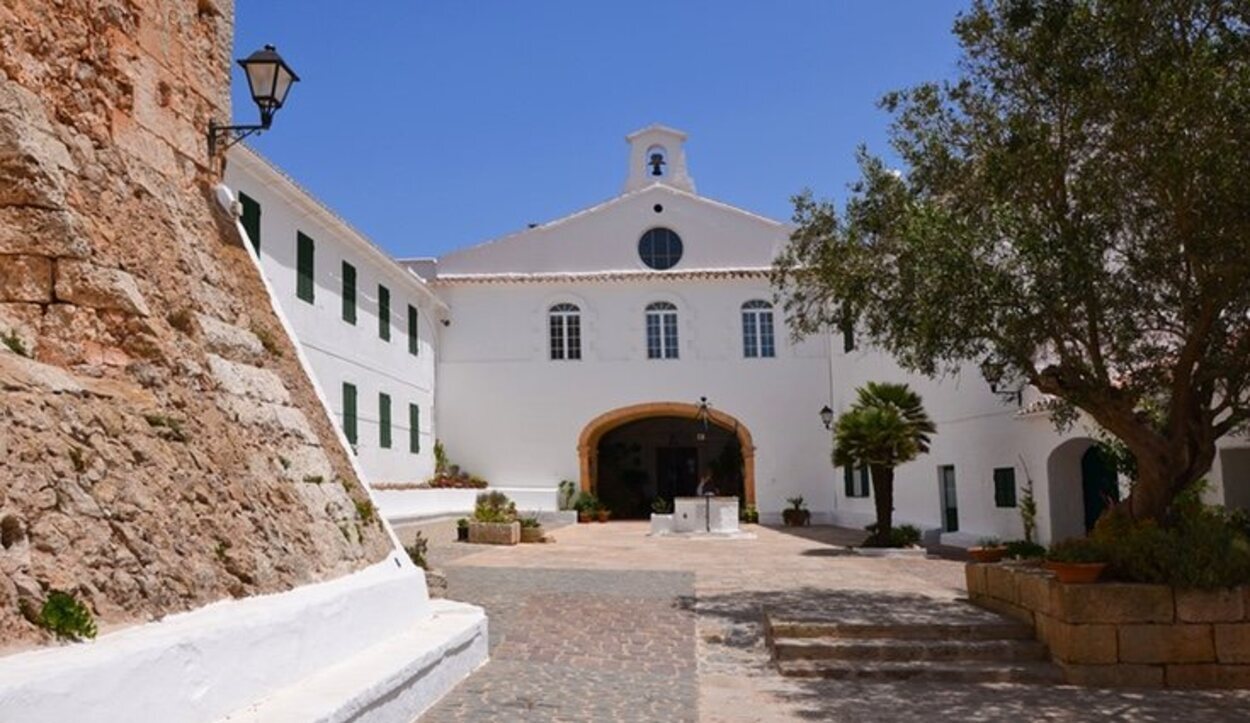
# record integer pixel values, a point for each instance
(660, 248)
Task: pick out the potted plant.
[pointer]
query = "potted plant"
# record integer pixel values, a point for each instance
(602, 513)
(531, 529)
(586, 504)
(462, 529)
(988, 549)
(494, 520)
(749, 515)
(797, 514)
(1025, 551)
(661, 517)
(1076, 561)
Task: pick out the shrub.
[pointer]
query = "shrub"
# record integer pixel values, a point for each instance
(567, 493)
(366, 511)
(900, 536)
(14, 343)
(494, 507)
(749, 515)
(797, 503)
(1205, 547)
(462, 523)
(1025, 550)
(659, 506)
(1076, 550)
(586, 502)
(530, 521)
(989, 542)
(65, 617)
(417, 551)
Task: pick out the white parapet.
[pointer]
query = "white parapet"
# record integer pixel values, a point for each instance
(717, 515)
(366, 646)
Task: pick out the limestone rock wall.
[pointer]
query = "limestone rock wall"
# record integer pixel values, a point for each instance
(160, 447)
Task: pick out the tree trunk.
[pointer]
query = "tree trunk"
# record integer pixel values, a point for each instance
(1160, 481)
(883, 496)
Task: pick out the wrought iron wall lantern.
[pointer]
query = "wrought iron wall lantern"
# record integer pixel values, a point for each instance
(270, 79)
(826, 416)
(703, 417)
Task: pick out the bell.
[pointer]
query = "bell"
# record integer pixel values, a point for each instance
(656, 163)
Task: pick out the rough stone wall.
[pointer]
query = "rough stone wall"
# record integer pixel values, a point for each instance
(160, 447)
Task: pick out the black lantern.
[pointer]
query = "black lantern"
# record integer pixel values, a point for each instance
(826, 416)
(269, 78)
(703, 416)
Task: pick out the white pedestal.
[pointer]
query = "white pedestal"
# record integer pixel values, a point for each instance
(714, 515)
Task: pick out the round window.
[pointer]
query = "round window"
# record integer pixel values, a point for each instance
(660, 248)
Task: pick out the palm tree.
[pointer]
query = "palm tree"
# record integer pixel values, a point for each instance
(885, 427)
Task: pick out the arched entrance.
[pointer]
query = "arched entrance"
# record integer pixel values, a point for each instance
(1081, 483)
(633, 454)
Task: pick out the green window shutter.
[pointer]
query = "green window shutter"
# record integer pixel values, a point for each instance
(414, 342)
(414, 429)
(1005, 487)
(384, 312)
(349, 293)
(251, 219)
(349, 412)
(848, 476)
(304, 266)
(384, 421)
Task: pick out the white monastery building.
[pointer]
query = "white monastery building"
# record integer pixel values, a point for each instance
(583, 349)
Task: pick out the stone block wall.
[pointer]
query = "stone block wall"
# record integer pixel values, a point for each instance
(160, 446)
(1122, 634)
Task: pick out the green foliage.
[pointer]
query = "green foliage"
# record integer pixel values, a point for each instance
(1028, 510)
(65, 617)
(417, 551)
(14, 343)
(167, 427)
(440, 458)
(531, 521)
(366, 511)
(659, 506)
(900, 536)
(463, 523)
(1025, 550)
(586, 502)
(989, 542)
(314, 479)
(1077, 549)
(267, 340)
(1204, 547)
(749, 514)
(796, 503)
(566, 494)
(494, 507)
(1069, 212)
(885, 427)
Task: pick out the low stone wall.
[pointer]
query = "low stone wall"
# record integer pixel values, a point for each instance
(1124, 634)
(495, 533)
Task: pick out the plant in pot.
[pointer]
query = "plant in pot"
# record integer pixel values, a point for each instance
(1077, 560)
(586, 504)
(531, 529)
(988, 549)
(462, 529)
(602, 513)
(749, 515)
(494, 520)
(661, 516)
(1024, 550)
(797, 514)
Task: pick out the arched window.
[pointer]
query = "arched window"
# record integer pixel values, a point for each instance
(757, 330)
(565, 325)
(661, 330)
(660, 248)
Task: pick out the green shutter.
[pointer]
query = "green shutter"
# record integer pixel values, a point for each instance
(384, 421)
(1005, 487)
(384, 312)
(349, 293)
(349, 412)
(251, 219)
(414, 429)
(304, 267)
(414, 343)
(848, 476)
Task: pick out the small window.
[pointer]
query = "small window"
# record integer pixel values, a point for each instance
(564, 324)
(384, 421)
(414, 340)
(661, 330)
(349, 293)
(349, 412)
(857, 485)
(660, 248)
(250, 219)
(304, 267)
(757, 330)
(1005, 487)
(414, 429)
(384, 313)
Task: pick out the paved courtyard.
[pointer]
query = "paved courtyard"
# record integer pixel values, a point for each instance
(610, 625)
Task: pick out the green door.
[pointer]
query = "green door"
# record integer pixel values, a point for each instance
(950, 501)
(1099, 484)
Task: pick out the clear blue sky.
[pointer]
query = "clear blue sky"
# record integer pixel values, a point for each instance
(435, 124)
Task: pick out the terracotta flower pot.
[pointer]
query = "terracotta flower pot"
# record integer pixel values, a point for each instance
(796, 518)
(987, 554)
(1076, 572)
(584, 516)
(531, 534)
(604, 515)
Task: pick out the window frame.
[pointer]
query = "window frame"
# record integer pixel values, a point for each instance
(564, 332)
(674, 248)
(662, 328)
(856, 491)
(759, 338)
(1005, 494)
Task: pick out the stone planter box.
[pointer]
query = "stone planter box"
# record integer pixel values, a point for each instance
(532, 534)
(661, 524)
(495, 533)
(1124, 634)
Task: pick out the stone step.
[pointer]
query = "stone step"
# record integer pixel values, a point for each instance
(885, 649)
(929, 671)
(900, 631)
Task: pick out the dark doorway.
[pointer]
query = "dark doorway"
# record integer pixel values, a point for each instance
(950, 499)
(664, 457)
(677, 471)
(1099, 483)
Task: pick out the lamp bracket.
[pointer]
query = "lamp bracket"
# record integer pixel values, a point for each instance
(231, 135)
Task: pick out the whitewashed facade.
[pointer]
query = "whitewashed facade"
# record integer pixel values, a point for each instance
(524, 406)
(344, 340)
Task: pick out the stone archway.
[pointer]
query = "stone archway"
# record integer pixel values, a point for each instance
(592, 434)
